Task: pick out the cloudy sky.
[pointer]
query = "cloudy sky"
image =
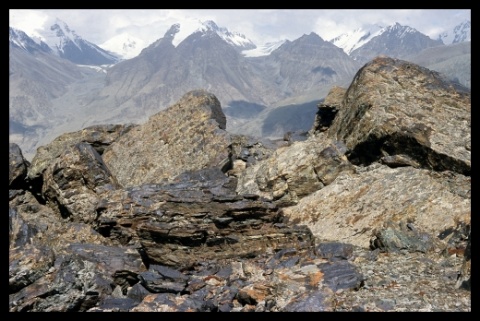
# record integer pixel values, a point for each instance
(259, 25)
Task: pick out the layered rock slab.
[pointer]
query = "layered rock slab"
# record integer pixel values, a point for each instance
(293, 172)
(195, 220)
(188, 135)
(354, 206)
(99, 136)
(394, 107)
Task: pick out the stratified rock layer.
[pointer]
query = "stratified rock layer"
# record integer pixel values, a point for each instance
(395, 107)
(188, 135)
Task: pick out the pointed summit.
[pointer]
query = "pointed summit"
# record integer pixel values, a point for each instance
(68, 45)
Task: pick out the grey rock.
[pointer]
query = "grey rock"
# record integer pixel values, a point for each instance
(17, 168)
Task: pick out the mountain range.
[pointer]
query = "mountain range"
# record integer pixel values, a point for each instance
(61, 82)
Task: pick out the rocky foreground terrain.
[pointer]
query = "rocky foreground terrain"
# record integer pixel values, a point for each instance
(368, 211)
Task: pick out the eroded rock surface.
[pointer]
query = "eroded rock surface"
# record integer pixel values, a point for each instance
(99, 136)
(355, 205)
(369, 213)
(188, 135)
(396, 107)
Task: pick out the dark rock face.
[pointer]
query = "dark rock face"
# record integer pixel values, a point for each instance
(73, 181)
(322, 224)
(17, 167)
(182, 223)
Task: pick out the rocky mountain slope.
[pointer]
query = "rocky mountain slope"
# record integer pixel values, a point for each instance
(395, 41)
(370, 212)
(264, 96)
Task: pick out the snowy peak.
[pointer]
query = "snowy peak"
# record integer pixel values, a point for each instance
(460, 33)
(235, 39)
(21, 40)
(352, 40)
(68, 45)
(263, 50)
(399, 31)
(126, 45)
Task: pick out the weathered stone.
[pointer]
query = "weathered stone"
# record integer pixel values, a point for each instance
(341, 274)
(188, 135)
(17, 168)
(27, 264)
(334, 251)
(395, 107)
(465, 275)
(294, 172)
(328, 110)
(194, 220)
(99, 136)
(396, 237)
(354, 205)
(73, 181)
(20, 232)
(316, 301)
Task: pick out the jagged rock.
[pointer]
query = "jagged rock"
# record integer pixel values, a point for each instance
(355, 205)
(27, 264)
(17, 168)
(186, 222)
(396, 237)
(76, 281)
(334, 251)
(73, 181)
(394, 107)
(465, 275)
(20, 232)
(99, 136)
(188, 135)
(328, 109)
(296, 171)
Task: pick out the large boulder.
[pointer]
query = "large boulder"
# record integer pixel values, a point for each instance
(394, 107)
(355, 206)
(296, 171)
(99, 136)
(188, 135)
(74, 181)
(196, 219)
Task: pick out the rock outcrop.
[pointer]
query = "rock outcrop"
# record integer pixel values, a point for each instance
(188, 135)
(394, 107)
(368, 212)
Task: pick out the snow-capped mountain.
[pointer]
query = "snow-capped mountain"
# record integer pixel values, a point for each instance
(237, 40)
(263, 50)
(396, 41)
(460, 33)
(355, 39)
(21, 40)
(68, 45)
(125, 45)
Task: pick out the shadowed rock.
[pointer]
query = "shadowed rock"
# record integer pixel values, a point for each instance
(396, 107)
(183, 223)
(17, 168)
